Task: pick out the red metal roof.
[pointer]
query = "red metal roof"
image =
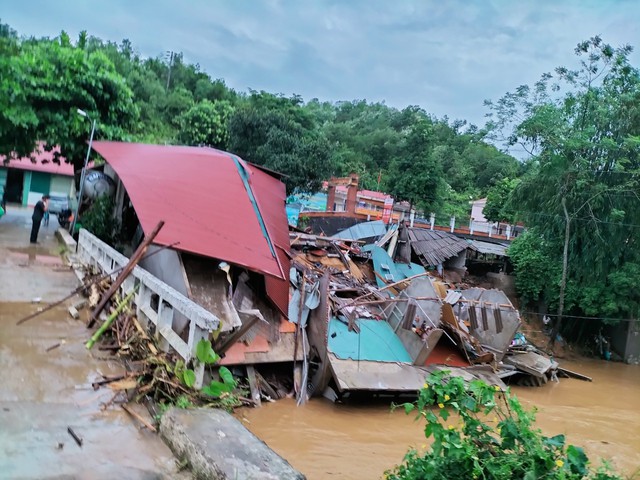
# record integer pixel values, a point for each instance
(43, 163)
(200, 194)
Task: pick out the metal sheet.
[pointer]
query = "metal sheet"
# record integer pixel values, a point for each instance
(373, 229)
(376, 342)
(530, 362)
(435, 247)
(490, 248)
(397, 377)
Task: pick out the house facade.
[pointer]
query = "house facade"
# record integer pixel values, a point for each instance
(24, 182)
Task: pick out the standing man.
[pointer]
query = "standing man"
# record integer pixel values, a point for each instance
(38, 212)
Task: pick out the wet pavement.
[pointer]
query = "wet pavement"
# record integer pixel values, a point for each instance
(43, 393)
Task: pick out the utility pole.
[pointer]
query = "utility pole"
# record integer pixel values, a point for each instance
(565, 265)
(171, 56)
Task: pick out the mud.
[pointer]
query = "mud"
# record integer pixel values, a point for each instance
(43, 393)
(326, 440)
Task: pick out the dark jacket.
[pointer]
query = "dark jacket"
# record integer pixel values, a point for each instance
(38, 211)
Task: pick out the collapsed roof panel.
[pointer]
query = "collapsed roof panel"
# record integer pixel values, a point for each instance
(434, 247)
(362, 230)
(490, 248)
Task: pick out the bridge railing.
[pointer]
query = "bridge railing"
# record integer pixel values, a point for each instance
(156, 302)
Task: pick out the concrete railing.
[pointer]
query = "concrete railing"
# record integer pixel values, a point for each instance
(156, 302)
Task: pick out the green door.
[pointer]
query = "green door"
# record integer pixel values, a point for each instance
(40, 182)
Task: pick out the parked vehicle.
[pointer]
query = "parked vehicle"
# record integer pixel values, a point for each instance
(58, 203)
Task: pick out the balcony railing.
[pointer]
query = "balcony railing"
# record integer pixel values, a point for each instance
(157, 303)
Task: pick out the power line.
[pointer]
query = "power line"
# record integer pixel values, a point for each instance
(582, 317)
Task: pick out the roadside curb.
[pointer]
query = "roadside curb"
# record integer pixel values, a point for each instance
(66, 238)
(218, 446)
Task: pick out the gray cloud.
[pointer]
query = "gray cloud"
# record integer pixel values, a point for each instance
(445, 56)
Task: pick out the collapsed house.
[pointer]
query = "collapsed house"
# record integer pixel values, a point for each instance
(380, 325)
(350, 317)
(224, 243)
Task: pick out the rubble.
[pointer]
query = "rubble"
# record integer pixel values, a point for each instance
(379, 325)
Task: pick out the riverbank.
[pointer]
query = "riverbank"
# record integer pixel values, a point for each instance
(326, 440)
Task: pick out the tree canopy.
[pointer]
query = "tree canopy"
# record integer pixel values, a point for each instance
(582, 128)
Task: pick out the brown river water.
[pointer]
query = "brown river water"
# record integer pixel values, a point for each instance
(325, 440)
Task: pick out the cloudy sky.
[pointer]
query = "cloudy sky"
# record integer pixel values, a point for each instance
(444, 55)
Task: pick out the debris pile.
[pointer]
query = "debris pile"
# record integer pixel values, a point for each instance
(379, 325)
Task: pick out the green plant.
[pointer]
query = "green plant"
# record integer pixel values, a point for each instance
(206, 355)
(480, 432)
(99, 220)
(184, 402)
(216, 388)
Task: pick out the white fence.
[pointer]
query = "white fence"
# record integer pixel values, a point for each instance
(156, 302)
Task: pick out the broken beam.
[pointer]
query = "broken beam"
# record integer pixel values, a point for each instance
(133, 261)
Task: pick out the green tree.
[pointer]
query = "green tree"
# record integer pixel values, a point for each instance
(499, 207)
(206, 124)
(467, 443)
(416, 175)
(582, 128)
(41, 88)
(278, 133)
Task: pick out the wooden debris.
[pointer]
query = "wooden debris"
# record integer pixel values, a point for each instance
(73, 311)
(253, 385)
(126, 271)
(125, 384)
(53, 347)
(571, 374)
(75, 436)
(111, 318)
(138, 417)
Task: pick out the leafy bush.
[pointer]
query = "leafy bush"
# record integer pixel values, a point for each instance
(467, 446)
(99, 220)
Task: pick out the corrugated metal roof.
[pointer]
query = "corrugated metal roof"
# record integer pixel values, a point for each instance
(435, 247)
(43, 163)
(212, 202)
(491, 248)
(373, 229)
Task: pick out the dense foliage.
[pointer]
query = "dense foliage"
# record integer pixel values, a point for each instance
(435, 164)
(582, 128)
(478, 432)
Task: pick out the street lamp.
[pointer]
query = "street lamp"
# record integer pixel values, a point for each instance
(84, 114)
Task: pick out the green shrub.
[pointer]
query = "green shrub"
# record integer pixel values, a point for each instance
(479, 432)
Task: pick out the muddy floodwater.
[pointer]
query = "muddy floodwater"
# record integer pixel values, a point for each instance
(326, 440)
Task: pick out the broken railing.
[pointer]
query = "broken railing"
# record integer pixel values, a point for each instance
(156, 302)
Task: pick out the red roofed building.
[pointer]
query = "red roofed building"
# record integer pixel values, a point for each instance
(224, 218)
(24, 181)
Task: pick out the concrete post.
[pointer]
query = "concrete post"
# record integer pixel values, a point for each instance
(412, 217)
(490, 229)
(471, 227)
(453, 224)
(432, 220)
(508, 232)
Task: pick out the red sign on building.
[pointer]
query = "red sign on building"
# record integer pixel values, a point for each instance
(388, 209)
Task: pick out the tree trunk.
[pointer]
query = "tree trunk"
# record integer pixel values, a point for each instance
(563, 281)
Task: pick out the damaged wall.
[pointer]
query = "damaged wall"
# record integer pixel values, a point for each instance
(167, 266)
(625, 340)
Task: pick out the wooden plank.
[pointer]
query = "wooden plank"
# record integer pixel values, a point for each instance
(572, 374)
(234, 337)
(133, 261)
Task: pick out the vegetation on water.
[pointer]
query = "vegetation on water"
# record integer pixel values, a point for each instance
(479, 432)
